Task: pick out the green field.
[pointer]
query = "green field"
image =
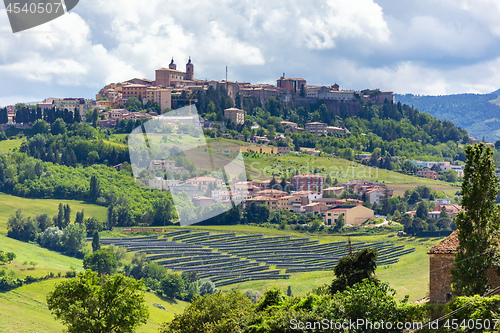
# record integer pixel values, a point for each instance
(265, 166)
(9, 204)
(8, 146)
(25, 310)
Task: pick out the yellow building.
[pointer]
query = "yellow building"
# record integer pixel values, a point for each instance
(261, 200)
(161, 96)
(352, 215)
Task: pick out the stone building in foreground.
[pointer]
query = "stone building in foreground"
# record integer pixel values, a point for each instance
(442, 261)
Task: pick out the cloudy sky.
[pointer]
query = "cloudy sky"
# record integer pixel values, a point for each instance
(423, 47)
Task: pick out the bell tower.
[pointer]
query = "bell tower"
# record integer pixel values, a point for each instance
(172, 65)
(189, 70)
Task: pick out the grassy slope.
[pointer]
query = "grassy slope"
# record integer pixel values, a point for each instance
(47, 261)
(264, 166)
(9, 204)
(409, 276)
(25, 310)
(9, 146)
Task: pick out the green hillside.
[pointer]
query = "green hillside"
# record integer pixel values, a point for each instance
(262, 166)
(25, 310)
(9, 204)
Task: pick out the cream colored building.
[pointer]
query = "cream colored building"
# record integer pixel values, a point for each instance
(236, 115)
(352, 215)
(161, 96)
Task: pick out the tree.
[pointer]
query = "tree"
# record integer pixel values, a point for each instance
(44, 222)
(354, 268)
(59, 220)
(133, 104)
(58, 127)
(66, 215)
(20, 228)
(51, 238)
(220, 312)
(339, 223)
(89, 303)
(207, 287)
(95, 188)
(422, 210)
(73, 238)
(40, 127)
(172, 285)
(96, 244)
(478, 224)
(101, 261)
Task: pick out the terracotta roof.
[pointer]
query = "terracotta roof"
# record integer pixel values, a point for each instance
(262, 198)
(446, 246)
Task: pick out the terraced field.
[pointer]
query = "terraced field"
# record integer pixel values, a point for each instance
(226, 258)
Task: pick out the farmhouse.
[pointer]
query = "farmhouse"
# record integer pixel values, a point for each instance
(441, 262)
(352, 215)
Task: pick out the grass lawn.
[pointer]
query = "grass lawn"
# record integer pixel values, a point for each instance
(25, 310)
(9, 146)
(9, 204)
(46, 261)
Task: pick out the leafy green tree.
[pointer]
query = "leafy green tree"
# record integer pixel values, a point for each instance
(219, 312)
(339, 224)
(421, 211)
(172, 285)
(96, 244)
(21, 228)
(51, 238)
(95, 188)
(66, 215)
(40, 127)
(207, 287)
(73, 238)
(133, 104)
(90, 304)
(101, 261)
(58, 127)
(354, 268)
(478, 224)
(59, 220)
(44, 222)
(163, 211)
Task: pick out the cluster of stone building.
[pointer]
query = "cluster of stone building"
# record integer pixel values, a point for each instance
(308, 195)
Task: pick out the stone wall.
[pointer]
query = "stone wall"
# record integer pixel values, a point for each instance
(440, 277)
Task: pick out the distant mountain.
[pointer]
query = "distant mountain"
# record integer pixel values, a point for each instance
(479, 114)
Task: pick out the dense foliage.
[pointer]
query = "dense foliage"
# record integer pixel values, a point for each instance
(89, 303)
(478, 224)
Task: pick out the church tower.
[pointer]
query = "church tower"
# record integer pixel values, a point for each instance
(172, 65)
(189, 70)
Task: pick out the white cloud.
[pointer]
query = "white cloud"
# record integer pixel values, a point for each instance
(428, 46)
